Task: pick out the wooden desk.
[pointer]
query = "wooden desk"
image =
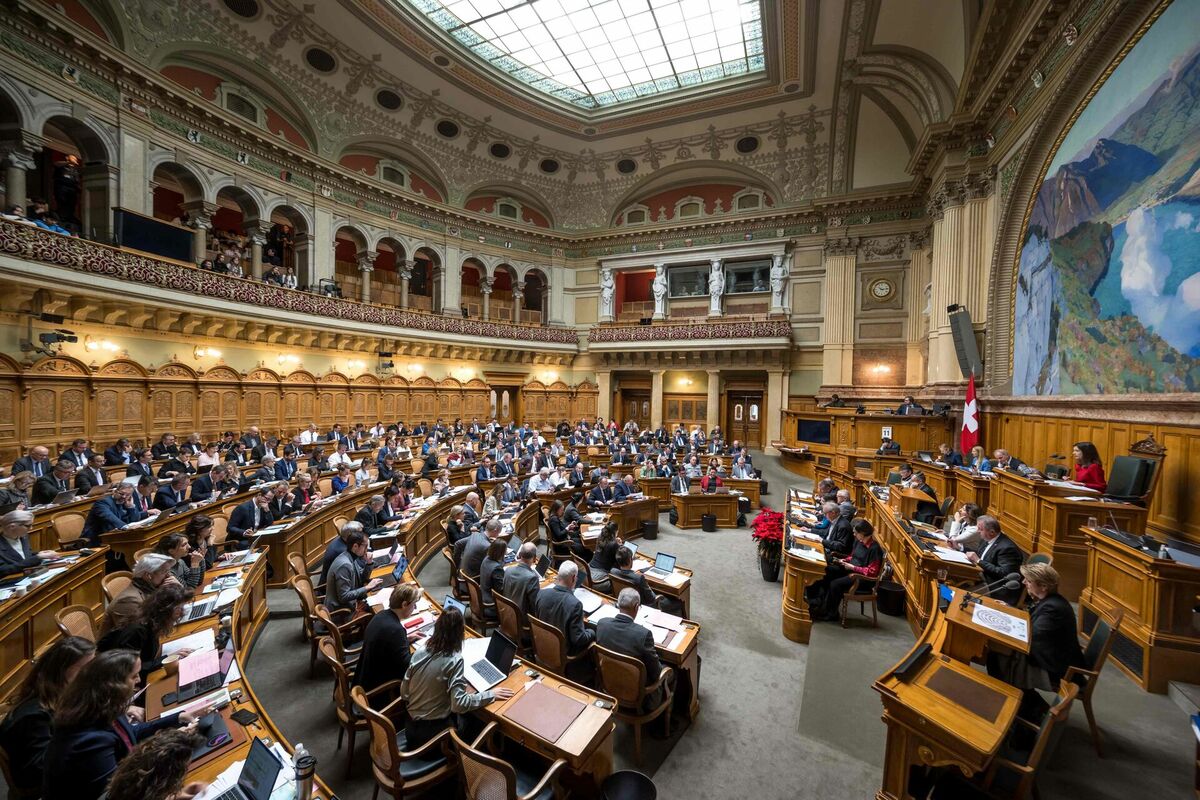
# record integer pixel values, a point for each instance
(905, 500)
(250, 613)
(944, 480)
(799, 572)
(971, 488)
(630, 515)
(27, 625)
(691, 507)
(944, 713)
(659, 489)
(1158, 641)
(750, 487)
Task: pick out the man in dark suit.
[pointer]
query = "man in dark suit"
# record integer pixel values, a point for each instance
(78, 453)
(910, 403)
(264, 448)
(120, 453)
(504, 467)
(337, 545)
(431, 466)
(237, 455)
(1005, 460)
(92, 476)
(252, 438)
(208, 484)
(16, 550)
(477, 546)
(37, 462)
(622, 635)
(484, 471)
(250, 516)
(111, 513)
(59, 480)
(166, 447)
(679, 483)
(141, 464)
(347, 583)
(545, 459)
(647, 596)
(998, 558)
(601, 495)
(926, 509)
(840, 539)
(558, 606)
(173, 494)
(623, 489)
(371, 516)
(521, 581)
(286, 467)
(471, 508)
(888, 447)
(385, 647)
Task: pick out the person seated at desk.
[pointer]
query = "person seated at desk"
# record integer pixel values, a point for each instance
(541, 482)
(113, 512)
(1053, 640)
(1002, 459)
(839, 541)
(141, 464)
(25, 730)
(491, 575)
(910, 406)
(157, 768)
(47, 487)
(680, 483)
(150, 572)
(337, 545)
(199, 533)
(888, 447)
(834, 402)
(347, 582)
(744, 471)
(604, 558)
(91, 476)
(623, 568)
(649, 469)
(166, 447)
(120, 454)
(266, 471)
(964, 529)
(343, 480)
(37, 462)
(189, 566)
(521, 581)
(79, 454)
(978, 462)
(998, 557)
(1089, 470)
(557, 605)
(386, 644)
(622, 635)
(16, 549)
(92, 732)
(947, 456)
(371, 516)
(601, 495)
(826, 490)
(211, 455)
(927, 510)
(564, 530)
(306, 490)
(435, 689)
(160, 613)
(17, 492)
(210, 485)
(906, 475)
(710, 482)
(317, 459)
(866, 561)
(173, 494)
(178, 465)
(250, 516)
(624, 489)
(477, 546)
(830, 511)
(495, 499)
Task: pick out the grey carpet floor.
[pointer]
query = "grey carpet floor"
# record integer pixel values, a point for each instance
(777, 720)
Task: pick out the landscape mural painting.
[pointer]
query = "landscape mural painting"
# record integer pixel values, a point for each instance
(1108, 286)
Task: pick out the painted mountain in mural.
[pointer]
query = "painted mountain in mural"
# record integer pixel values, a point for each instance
(1108, 286)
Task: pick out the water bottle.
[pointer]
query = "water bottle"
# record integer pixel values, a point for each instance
(305, 766)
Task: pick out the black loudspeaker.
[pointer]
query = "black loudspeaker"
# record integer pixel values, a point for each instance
(644, 321)
(964, 342)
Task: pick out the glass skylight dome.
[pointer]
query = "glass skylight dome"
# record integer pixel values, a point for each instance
(599, 53)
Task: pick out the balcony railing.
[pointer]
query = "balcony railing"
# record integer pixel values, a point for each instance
(733, 329)
(36, 244)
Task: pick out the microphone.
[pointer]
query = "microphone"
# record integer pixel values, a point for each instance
(1010, 582)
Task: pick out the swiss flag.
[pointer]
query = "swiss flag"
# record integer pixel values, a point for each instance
(970, 425)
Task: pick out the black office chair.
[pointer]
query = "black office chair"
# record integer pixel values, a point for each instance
(1131, 479)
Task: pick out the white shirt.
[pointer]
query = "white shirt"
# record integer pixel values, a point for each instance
(339, 458)
(540, 485)
(310, 437)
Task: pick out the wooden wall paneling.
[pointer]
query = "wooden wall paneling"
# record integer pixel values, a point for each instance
(1033, 438)
(533, 403)
(173, 396)
(422, 401)
(558, 402)
(57, 395)
(220, 400)
(477, 400)
(262, 398)
(334, 402)
(119, 407)
(583, 400)
(364, 398)
(299, 400)
(10, 409)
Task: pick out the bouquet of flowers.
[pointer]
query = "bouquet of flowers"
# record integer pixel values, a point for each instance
(767, 530)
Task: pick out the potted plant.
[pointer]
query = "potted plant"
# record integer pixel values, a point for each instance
(768, 532)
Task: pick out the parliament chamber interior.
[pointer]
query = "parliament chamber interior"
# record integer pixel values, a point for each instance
(606, 399)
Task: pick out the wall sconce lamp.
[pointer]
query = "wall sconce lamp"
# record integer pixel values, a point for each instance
(881, 369)
(205, 352)
(354, 364)
(92, 345)
(685, 381)
(288, 358)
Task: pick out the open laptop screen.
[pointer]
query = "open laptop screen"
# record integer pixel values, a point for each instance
(664, 562)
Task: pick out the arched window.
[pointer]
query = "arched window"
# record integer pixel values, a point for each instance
(754, 412)
(393, 172)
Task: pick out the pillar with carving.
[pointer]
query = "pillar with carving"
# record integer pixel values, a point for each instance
(366, 265)
(200, 214)
(915, 301)
(837, 307)
(485, 289)
(18, 158)
(256, 234)
(656, 398)
(946, 210)
(604, 394)
(712, 416)
(404, 269)
(716, 286)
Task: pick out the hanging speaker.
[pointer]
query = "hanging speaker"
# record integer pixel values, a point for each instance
(964, 342)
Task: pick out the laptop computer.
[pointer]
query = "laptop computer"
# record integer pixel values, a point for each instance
(200, 609)
(632, 548)
(259, 773)
(543, 566)
(210, 669)
(664, 565)
(449, 602)
(396, 575)
(380, 561)
(486, 672)
(65, 496)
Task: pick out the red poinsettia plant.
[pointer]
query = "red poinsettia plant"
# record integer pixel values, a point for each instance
(767, 530)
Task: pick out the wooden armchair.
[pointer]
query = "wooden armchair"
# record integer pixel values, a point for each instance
(550, 647)
(145, 551)
(458, 586)
(308, 616)
(114, 583)
(398, 771)
(624, 677)
(585, 572)
(486, 777)
(338, 633)
(944, 510)
(864, 591)
(68, 529)
(1094, 656)
(76, 621)
(350, 721)
(426, 486)
(479, 609)
(1013, 772)
(514, 623)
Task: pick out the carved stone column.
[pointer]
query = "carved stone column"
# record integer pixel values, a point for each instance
(716, 287)
(18, 158)
(518, 299)
(837, 307)
(366, 266)
(485, 289)
(916, 302)
(256, 230)
(405, 270)
(604, 394)
(713, 412)
(200, 214)
(946, 209)
(656, 398)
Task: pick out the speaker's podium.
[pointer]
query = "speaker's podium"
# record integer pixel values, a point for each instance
(694, 505)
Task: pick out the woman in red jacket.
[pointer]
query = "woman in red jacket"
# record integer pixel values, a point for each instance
(1088, 469)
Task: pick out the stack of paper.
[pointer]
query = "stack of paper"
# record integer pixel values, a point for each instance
(946, 554)
(606, 611)
(808, 555)
(200, 640)
(590, 600)
(641, 564)
(675, 579)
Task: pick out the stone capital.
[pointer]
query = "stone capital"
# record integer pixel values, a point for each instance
(846, 246)
(366, 261)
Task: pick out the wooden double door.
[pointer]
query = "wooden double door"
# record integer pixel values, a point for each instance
(744, 416)
(635, 405)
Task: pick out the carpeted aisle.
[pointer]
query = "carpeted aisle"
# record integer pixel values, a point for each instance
(777, 720)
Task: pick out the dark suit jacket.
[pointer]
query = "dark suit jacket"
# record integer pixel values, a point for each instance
(1053, 642)
(1000, 559)
(138, 468)
(202, 488)
(47, 487)
(841, 536)
(557, 606)
(622, 634)
(176, 466)
(484, 474)
(600, 495)
(241, 521)
(79, 762)
(649, 598)
(470, 517)
(264, 474)
(891, 448)
(385, 653)
(25, 464)
(166, 498)
(372, 523)
(502, 470)
(491, 576)
(521, 585)
(160, 450)
(25, 735)
(621, 491)
(106, 515)
(454, 531)
(113, 457)
(12, 559)
(474, 552)
(286, 470)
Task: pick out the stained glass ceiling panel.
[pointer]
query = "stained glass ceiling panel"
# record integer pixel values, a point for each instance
(599, 53)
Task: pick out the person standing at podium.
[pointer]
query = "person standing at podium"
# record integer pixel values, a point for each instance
(1053, 641)
(1088, 468)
